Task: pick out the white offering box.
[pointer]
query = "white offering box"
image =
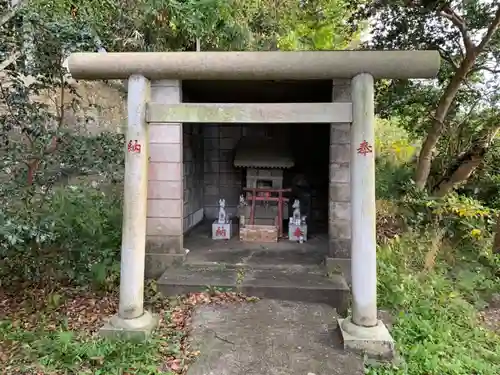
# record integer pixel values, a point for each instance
(221, 231)
(295, 231)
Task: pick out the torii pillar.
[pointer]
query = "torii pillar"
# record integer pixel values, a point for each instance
(363, 332)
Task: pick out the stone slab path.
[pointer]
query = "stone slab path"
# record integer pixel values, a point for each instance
(269, 337)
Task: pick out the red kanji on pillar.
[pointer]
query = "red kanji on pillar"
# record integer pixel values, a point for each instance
(134, 147)
(364, 148)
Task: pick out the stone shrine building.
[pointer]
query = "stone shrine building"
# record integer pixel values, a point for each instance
(234, 125)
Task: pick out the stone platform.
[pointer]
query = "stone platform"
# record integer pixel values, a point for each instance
(283, 270)
(202, 249)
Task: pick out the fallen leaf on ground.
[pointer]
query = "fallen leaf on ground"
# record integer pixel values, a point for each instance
(83, 311)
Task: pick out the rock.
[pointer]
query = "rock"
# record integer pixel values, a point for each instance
(495, 301)
(387, 318)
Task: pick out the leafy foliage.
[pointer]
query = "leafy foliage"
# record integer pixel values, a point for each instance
(54, 231)
(435, 273)
(436, 324)
(457, 106)
(158, 25)
(70, 234)
(463, 220)
(394, 151)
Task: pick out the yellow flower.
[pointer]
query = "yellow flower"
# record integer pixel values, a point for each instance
(475, 233)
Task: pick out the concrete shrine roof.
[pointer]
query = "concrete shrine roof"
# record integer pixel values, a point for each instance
(262, 153)
(271, 65)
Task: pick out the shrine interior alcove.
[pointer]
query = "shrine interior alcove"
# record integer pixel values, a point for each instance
(210, 150)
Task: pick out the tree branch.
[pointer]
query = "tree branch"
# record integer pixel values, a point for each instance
(448, 13)
(11, 59)
(482, 67)
(490, 31)
(62, 98)
(4, 18)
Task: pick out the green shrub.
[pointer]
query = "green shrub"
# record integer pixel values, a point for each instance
(391, 179)
(463, 220)
(71, 234)
(436, 326)
(394, 152)
(393, 142)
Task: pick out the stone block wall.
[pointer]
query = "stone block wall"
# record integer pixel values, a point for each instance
(164, 224)
(311, 146)
(193, 164)
(339, 208)
(221, 178)
(100, 108)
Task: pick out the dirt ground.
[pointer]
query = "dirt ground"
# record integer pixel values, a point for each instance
(491, 316)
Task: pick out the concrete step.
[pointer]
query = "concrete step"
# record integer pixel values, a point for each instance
(292, 284)
(284, 257)
(313, 268)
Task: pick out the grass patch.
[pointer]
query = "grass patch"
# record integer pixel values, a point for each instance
(40, 337)
(65, 352)
(436, 307)
(37, 337)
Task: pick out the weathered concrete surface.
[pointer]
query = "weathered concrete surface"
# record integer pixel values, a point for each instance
(269, 337)
(300, 65)
(135, 197)
(287, 284)
(137, 329)
(375, 342)
(168, 185)
(282, 254)
(251, 113)
(101, 106)
(339, 197)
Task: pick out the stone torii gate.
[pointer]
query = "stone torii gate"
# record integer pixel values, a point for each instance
(362, 331)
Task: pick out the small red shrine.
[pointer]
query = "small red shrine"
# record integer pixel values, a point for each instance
(264, 161)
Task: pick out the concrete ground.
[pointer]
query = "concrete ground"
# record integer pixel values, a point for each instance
(269, 337)
(284, 252)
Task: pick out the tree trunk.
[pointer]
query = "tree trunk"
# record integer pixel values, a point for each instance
(432, 138)
(496, 241)
(32, 168)
(466, 164)
(472, 51)
(459, 176)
